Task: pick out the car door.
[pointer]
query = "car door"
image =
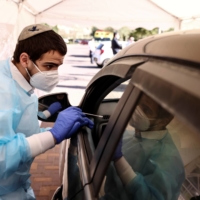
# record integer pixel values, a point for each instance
(176, 173)
(163, 164)
(97, 90)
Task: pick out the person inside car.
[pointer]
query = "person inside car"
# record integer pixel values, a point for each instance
(147, 164)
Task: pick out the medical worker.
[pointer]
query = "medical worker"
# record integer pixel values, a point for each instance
(147, 164)
(38, 54)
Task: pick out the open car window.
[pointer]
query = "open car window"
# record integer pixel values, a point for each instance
(158, 157)
(118, 91)
(106, 108)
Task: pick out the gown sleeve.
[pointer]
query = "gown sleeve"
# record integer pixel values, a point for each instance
(14, 151)
(14, 148)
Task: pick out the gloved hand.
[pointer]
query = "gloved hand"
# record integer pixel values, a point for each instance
(54, 107)
(68, 123)
(118, 151)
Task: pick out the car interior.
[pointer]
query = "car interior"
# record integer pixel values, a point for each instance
(183, 145)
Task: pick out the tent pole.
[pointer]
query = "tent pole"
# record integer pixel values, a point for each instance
(51, 7)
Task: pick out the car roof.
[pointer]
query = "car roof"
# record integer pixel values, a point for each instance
(181, 45)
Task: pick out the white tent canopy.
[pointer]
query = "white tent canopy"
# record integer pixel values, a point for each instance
(165, 14)
(114, 13)
(187, 11)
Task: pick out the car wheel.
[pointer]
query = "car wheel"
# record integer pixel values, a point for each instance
(100, 66)
(105, 61)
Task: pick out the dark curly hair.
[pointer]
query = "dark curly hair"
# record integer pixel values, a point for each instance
(39, 44)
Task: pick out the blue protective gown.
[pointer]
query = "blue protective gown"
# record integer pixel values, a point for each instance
(18, 120)
(159, 168)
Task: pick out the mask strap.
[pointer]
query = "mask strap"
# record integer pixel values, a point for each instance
(38, 68)
(28, 72)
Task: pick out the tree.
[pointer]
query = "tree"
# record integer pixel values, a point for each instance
(124, 32)
(55, 28)
(170, 29)
(94, 29)
(110, 29)
(140, 33)
(154, 31)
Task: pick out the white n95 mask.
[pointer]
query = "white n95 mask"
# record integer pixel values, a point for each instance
(139, 120)
(44, 80)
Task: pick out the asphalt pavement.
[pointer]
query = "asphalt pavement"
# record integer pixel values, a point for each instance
(75, 73)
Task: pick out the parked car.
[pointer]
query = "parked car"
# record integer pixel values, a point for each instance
(84, 42)
(77, 40)
(149, 97)
(102, 54)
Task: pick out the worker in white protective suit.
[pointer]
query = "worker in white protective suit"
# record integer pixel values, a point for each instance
(147, 164)
(38, 54)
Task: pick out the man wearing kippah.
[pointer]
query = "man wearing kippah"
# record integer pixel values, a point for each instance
(38, 54)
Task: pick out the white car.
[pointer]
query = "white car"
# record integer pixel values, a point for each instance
(102, 54)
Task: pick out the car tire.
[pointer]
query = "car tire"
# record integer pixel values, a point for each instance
(105, 61)
(100, 66)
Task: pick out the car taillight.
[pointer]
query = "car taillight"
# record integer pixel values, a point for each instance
(101, 51)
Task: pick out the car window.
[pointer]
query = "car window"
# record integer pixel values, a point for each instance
(158, 157)
(106, 108)
(118, 91)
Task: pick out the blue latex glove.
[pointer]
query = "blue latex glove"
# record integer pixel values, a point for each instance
(118, 152)
(54, 107)
(68, 122)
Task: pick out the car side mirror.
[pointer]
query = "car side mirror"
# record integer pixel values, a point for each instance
(44, 103)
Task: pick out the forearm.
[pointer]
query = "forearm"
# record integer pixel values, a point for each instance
(124, 170)
(135, 185)
(41, 142)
